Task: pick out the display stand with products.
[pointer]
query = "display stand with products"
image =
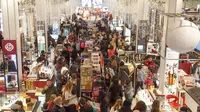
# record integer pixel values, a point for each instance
(86, 78)
(96, 58)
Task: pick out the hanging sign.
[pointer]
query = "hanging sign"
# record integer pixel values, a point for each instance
(9, 47)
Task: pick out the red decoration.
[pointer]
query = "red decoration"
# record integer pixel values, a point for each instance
(9, 47)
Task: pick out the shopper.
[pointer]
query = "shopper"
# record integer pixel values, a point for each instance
(51, 102)
(149, 61)
(117, 106)
(107, 79)
(20, 106)
(58, 107)
(195, 65)
(154, 70)
(126, 106)
(114, 64)
(115, 92)
(74, 54)
(48, 90)
(111, 51)
(74, 82)
(14, 108)
(156, 106)
(197, 73)
(128, 91)
(140, 106)
(123, 75)
(140, 79)
(104, 104)
(85, 106)
(69, 100)
(104, 44)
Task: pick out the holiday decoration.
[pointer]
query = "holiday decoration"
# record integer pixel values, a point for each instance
(184, 37)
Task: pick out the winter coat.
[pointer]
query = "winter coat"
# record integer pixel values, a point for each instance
(49, 91)
(58, 109)
(70, 98)
(129, 92)
(140, 76)
(123, 76)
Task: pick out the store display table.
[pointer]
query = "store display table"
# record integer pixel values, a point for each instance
(192, 97)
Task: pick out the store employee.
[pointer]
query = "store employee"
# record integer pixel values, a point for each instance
(197, 73)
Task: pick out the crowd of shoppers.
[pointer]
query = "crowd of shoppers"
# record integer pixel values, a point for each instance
(115, 82)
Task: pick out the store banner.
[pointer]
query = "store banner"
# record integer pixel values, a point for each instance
(9, 47)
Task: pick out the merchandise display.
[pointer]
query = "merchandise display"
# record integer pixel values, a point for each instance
(8, 99)
(86, 78)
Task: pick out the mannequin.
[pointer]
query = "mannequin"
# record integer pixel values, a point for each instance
(41, 41)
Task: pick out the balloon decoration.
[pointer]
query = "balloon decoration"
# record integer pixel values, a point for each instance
(184, 37)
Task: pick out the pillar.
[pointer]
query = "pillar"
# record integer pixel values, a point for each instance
(11, 29)
(172, 6)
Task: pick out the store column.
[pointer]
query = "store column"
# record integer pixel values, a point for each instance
(11, 29)
(172, 6)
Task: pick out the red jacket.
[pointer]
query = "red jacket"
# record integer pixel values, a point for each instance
(111, 53)
(50, 106)
(148, 63)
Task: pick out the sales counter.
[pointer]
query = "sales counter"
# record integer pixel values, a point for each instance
(192, 98)
(148, 96)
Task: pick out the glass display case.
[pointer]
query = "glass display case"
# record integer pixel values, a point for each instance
(11, 75)
(8, 73)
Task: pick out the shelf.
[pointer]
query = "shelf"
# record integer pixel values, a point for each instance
(31, 91)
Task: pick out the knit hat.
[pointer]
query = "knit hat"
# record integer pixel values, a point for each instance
(13, 107)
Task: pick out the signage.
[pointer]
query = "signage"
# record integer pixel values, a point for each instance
(9, 47)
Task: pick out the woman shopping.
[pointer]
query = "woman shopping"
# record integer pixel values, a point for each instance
(69, 100)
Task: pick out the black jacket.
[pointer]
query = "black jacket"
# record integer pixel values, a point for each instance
(86, 108)
(56, 108)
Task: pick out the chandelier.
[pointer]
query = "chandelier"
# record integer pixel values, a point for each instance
(58, 1)
(24, 3)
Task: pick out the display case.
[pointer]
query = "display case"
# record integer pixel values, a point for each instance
(148, 97)
(6, 100)
(8, 73)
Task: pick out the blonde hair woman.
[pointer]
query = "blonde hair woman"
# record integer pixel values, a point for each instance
(116, 106)
(69, 100)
